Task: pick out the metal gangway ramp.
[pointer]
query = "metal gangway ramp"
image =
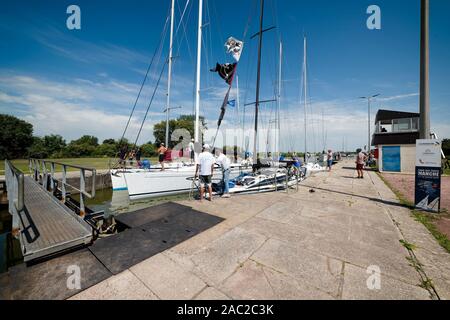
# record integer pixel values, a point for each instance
(43, 223)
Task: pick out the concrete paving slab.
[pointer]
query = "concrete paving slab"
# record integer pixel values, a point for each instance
(315, 270)
(281, 231)
(211, 293)
(254, 281)
(167, 279)
(223, 256)
(124, 286)
(359, 286)
(282, 211)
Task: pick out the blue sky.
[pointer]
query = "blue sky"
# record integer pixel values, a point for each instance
(85, 81)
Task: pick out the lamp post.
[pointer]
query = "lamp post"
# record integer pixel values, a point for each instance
(424, 70)
(369, 100)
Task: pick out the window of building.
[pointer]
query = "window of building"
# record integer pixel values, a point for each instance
(400, 125)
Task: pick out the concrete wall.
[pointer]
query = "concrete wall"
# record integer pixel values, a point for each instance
(102, 181)
(407, 155)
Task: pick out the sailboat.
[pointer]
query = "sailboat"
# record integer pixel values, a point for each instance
(264, 179)
(177, 177)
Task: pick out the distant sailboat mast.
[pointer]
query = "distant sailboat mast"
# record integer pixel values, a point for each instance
(199, 60)
(278, 134)
(169, 78)
(305, 93)
(258, 84)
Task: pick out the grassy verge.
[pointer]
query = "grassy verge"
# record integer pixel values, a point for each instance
(397, 193)
(96, 163)
(427, 219)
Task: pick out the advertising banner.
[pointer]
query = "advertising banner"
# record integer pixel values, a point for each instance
(428, 175)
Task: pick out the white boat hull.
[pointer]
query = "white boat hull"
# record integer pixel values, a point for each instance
(142, 184)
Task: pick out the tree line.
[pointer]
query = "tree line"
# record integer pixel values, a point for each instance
(17, 141)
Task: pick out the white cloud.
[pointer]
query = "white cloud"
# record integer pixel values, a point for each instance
(76, 108)
(399, 97)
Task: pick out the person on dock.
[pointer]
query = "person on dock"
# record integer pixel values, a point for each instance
(225, 164)
(123, 156)
(191, 149)
(138, 156)
(162, 155)
(205, 166)
(329, 160)
(360, 161)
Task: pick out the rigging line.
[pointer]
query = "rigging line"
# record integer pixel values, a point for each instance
(150, 104)
(163, 33)
(250, 18)
(159, 79)
(182, 23)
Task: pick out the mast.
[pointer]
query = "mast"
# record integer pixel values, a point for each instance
(305, 92)
(279, 100)
(169, 78)
(199, 61)
(258, 84)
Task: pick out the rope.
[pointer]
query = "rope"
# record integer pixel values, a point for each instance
(159, 80)
(150, 104)
(157, 49)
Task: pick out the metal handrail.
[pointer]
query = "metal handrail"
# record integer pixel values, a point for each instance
(15, 190)
(41, 174)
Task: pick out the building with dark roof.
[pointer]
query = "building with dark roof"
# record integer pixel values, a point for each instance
(395, 140)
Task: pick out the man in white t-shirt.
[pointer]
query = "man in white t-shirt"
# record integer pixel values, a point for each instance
(205, 164)
(191, 149)
(225, 164)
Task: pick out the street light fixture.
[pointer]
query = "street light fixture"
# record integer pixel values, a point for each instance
(369, 100)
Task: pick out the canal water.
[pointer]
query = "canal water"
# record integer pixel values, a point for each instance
(112, 203)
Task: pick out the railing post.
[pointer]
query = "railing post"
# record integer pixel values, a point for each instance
(44, 175)
(82, 192)
(52, 176)
(63, 186)
(20, 193)
(94, 187)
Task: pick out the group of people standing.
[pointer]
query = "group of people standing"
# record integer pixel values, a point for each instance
(361, 161)
(205, 165)
(129, 155)
(205, 171)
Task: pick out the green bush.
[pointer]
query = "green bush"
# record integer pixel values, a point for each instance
(16, 136)
(148, 150)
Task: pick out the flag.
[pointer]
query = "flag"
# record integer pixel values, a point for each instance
(223, 109)
(232, 103)
(234, 47)
(226, 71)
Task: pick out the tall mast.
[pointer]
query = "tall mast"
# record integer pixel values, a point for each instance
(279, 99)
(199, 61)
(169, 78)
(305, 92)
(258, 83)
